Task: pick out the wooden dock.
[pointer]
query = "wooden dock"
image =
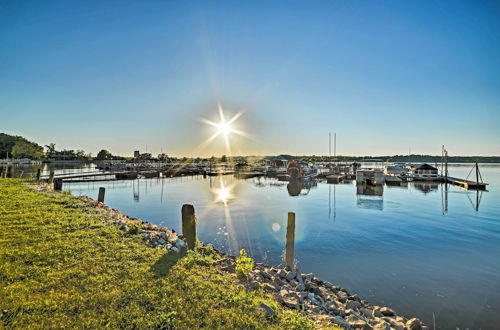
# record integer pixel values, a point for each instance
(467, 184)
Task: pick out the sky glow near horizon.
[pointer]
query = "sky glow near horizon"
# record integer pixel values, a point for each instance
(386, 76)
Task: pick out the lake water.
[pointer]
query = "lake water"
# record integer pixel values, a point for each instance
(401, 249)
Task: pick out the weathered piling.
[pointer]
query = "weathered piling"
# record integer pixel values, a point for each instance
(38, 172)
(58, 184)
(102, 192)
(189, 225)
(290, 240)
(51, 177)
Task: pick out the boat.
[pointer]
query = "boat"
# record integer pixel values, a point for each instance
(393, 180)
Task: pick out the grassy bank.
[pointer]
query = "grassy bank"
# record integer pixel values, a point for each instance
(60, 266)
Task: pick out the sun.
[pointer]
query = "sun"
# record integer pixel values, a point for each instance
(224, 128)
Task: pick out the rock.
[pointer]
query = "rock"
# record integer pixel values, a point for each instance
(355, 297)
(174, 249)
(365, 312)
(308, 276)
(312, 298)
(163, 235)
(269, 287)
(360, 324)
(291, 274)
(414, 324)
(161, 241)
(382, 326)
(328, 285)
(386, 311)
(377, 313)
(282, 273)
(267, 310)
(340, 321)
(180, 243)
(254, 285)
(317, 290)
(266, 274)
(352, 304)
(301, 287)
(298, 276)
(291, 302)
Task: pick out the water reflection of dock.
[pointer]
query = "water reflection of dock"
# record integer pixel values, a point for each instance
(370, 196)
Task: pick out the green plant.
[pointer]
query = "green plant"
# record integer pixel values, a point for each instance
(133, 228)
(244, 264)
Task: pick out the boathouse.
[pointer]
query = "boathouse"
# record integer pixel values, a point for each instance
(426, 172)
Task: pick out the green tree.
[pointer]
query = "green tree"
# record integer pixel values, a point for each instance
(104, 155)
(23, 149)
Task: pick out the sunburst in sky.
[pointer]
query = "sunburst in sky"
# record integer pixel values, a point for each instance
(224, 128)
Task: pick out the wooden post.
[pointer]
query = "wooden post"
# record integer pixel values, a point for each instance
(51, 177)
(58, 184)
(38, 171)
(189, 225)
(102, 192)
(290, 240)
(477, 176)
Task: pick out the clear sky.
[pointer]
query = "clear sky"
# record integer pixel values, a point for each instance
(123, 75)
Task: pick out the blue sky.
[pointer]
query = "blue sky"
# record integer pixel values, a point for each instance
(123, 75)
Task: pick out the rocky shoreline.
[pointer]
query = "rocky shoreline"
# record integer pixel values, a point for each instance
(318, 300)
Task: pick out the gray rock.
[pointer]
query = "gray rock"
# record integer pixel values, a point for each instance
(355, 297)
(360, 324)
(291, 302)
(266, 274)
(312, 298)
(180, 243)
(308, 276)
(282, 273)
(269, 287)
(365, 312)
(299, 278)
(352, 304)
(291, 274)
(340, 321)
(377, 313)
(382, 326)
(414, 324)
(301, 287)
(254, 285)
(386, 311)
(161, 241)
(267, 310)
(174, 249)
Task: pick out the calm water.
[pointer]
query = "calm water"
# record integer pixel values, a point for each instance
(399, 249)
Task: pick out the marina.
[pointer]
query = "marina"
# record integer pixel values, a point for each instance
(378, 240)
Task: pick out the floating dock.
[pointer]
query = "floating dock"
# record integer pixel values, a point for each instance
(467, 184)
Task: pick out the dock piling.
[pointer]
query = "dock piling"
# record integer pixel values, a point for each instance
(38, 172)
(189, 225)
(290, 241)
(51, 177)
(102, 192)
(58, 184)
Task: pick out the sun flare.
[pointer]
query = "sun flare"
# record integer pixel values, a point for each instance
(224, 128)
(223, 194)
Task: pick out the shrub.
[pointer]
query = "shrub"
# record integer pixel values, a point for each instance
(244, 264)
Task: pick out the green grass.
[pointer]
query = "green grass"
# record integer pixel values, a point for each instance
(61, 267)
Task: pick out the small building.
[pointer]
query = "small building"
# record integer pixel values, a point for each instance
(370, 176)
(426, 172)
